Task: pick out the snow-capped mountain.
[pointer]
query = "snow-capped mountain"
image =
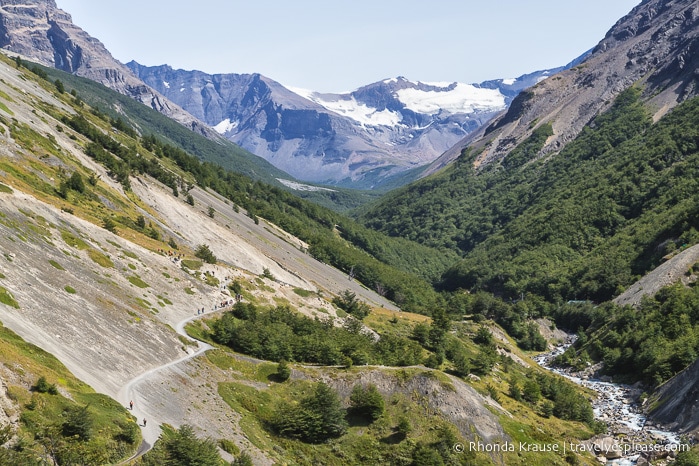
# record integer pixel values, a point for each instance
(360, 139)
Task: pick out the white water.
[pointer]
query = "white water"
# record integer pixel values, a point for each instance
(615, 403)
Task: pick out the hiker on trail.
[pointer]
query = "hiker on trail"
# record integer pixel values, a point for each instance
(131, 405)
(144, 422)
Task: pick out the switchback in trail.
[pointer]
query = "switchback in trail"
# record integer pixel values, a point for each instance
(141, 409)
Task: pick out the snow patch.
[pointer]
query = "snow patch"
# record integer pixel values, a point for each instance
(509, 81)
(464, 98)
(166, 84)
(350, 108)
(225, 126)
(301, 186)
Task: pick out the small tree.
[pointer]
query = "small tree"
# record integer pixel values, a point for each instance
(109, 225)
(404, 427)
(78, 423)
(141, 222)
(184, 448)
(531, 391)
(348, 302)
(76, 183)
(315, 419)
(204, 253)
(268, 274)
(212, 212)
(190, 199)
(42, 386)
(462, 364)
(483, 336)
(367, 402)
(244, 459)
(283, 371)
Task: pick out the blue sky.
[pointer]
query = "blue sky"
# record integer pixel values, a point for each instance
(334, 46)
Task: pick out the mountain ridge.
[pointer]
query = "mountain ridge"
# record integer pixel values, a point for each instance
(358, 139)
(642, 47)
(42, 32)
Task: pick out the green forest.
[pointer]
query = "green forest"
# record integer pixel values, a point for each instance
(582, 224)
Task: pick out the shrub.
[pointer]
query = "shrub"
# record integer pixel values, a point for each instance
(109, 225)
(315, 419)
(283, 371)
(7, 298)
(78, 423)
(367, 402)
(42, 386)
(348, 302)
(228, 446)
(204, 253)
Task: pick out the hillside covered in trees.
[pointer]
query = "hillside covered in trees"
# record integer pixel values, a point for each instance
(582, 224)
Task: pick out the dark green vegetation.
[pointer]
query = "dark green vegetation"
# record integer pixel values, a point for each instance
(651, 343)
(62, 420)
(181, 447)
(283, 334)
(316, 418)
(307, 423)
(583, 224)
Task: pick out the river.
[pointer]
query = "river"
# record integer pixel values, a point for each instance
(616, 405)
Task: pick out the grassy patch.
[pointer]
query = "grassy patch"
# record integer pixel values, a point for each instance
(186, 341)
(303, 293)
(211, 280)
(113, 436)
(130, 254)
(100, 259)
(143, 303)
(247, 369)
(6, 109)
(189, 290)
(69, 289)
(191, 264)
(56, 265)
(72, 240)
(136, 281)
(5, 189)
(7, 298)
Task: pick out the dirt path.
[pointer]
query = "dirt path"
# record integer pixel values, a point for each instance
(131, 391)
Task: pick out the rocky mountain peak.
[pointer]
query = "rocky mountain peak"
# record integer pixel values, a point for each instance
(655, 46)
(41, 32)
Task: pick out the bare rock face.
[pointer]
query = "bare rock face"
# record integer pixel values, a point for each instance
(41, 32)
(674, 404)
(656, 46)
(361, 138)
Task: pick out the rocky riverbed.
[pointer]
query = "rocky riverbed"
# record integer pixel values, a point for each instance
(630, 439)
